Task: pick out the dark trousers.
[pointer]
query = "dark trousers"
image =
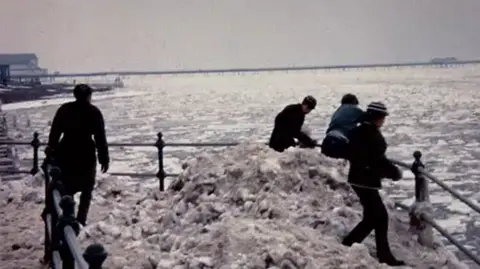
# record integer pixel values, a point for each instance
(84, 205)
(375, 217)
(85, 200)
(74, 182)
(78, 172)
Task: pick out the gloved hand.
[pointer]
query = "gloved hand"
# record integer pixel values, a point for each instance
(104, 167)
(396, 173)
(48, 151)
(104, 161)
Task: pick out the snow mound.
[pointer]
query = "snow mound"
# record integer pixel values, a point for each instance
(30, 189)
(21, 229)
(246, 207)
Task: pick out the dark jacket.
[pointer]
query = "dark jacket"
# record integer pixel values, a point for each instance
(368, 163)
(288, 125)
(75, 151)
(345, 118)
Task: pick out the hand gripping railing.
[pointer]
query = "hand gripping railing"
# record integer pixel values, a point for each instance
(420, 221)
(61, 228)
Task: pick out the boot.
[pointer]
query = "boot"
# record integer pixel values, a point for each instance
(392, 262)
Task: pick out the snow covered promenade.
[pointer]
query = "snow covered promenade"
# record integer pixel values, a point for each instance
(243, 207)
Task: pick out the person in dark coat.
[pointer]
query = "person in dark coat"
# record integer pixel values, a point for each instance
(75, 152)
(344, 119)
(368, 165)
(288, 125)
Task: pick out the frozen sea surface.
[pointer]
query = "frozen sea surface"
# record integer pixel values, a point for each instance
(432, 110)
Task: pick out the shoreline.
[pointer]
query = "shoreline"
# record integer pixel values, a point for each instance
(17, 94)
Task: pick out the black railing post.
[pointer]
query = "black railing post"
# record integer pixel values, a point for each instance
(35, 144)
(46, 245)
(67, 219)
(95, 255)
(50, 209)
(47, 255)
(160, 144)
(421, 184)
(52, 241)
(425, 232)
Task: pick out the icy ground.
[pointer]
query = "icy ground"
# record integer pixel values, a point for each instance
(434, 110)
(246, 207)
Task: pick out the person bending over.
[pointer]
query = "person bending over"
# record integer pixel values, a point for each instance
(288, 125)
(345, 118)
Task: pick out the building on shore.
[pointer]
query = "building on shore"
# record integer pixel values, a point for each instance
(446, 60)
(14, 66)
(4, 74)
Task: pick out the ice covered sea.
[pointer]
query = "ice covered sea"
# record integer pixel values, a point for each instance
(432, 110)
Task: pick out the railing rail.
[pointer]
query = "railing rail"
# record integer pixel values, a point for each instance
(61, 248)
(420, 221)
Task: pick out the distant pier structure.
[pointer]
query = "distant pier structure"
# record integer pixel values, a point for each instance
(448, 62)
(445, 62)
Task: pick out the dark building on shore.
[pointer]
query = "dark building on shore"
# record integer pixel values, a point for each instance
(4, 74)
(14, 66)
(446, 60)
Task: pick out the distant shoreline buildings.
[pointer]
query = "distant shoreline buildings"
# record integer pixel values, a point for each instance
(14, 66)
(446, 60)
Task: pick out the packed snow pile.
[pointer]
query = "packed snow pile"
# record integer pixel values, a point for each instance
(247, 207)
(21, 229)
(18, 192)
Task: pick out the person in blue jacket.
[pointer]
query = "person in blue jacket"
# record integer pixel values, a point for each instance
(345, 118)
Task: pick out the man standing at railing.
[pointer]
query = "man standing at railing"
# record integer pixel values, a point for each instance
(74, 153)
(288, 125)
(368, 165)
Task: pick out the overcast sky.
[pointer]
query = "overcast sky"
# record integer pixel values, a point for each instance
(98, 35)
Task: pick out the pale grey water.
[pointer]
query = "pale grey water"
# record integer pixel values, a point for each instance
(432, 110)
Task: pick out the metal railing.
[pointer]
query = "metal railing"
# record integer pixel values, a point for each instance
(420, 221)
(61, 248)
(159, 144)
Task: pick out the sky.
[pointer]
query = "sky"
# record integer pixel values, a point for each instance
(106, 35)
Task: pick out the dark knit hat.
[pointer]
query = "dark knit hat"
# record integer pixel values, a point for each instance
(377, 108)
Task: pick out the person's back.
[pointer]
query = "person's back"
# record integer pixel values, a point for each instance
(71, 145)
(367, 155)
(344, 119)
(78, 122)
(347, 116)
(288, 125)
